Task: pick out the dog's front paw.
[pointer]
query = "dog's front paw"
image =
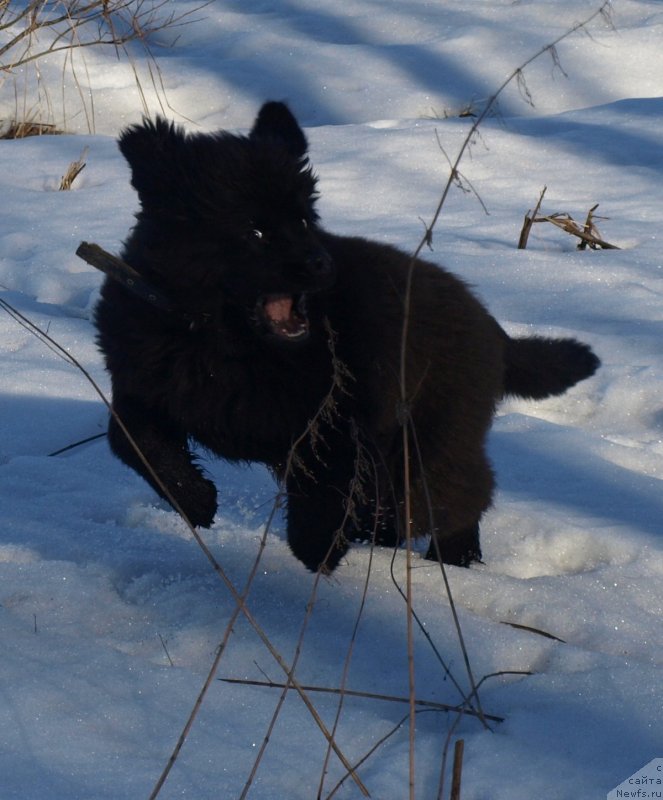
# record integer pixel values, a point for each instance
(318, 553)
(197, 501)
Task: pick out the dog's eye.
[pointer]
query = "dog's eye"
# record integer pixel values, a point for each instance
(256, 233)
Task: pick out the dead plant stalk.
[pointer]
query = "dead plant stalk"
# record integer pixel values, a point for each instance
(238, 598)
(426, 240)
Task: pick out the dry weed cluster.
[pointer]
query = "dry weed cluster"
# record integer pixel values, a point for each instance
(60, 31)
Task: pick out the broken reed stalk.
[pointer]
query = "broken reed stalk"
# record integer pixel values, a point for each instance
(73, 171)
(57, 348)
(589, 227)
(529, 221)
(445, 756)
(587, 233)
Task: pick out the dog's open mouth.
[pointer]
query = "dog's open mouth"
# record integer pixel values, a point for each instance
(285, 315)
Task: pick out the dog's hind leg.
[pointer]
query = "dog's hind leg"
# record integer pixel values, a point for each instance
(449, 503)
(164, 447)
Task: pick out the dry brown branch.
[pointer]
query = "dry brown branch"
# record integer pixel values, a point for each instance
(517, 75)
(457, 770)
(589, 226)
(452, 605)
(502, 672)
(44, 27)
(71, 446)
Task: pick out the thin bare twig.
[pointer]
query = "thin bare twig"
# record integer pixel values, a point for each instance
(218, 569)
(529, 629)
(78, 444)
(432, 704)
(373, 750)
(405, 401)
(221, 649)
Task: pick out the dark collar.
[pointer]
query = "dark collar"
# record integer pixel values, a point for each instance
(127, 276)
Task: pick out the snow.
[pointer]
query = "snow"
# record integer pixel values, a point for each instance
(110, 615)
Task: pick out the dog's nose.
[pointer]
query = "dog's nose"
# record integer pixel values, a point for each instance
(319, 264)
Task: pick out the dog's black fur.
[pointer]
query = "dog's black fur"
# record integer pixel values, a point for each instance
(282, 334)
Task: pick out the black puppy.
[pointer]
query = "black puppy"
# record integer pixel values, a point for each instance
(262, 337)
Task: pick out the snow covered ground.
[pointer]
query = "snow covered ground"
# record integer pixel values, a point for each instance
(109, 613)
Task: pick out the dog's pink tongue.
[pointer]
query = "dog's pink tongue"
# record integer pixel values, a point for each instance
(279, 309)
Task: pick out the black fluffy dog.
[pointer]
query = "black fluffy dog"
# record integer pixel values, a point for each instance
(262, 337)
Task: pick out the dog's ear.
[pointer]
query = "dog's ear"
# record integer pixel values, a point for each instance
(151, 149)
(276, 122)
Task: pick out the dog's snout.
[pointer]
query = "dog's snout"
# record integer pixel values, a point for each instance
(319, 264)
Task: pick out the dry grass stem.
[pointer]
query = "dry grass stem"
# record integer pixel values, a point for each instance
(426, 240)
(529, 629)
(430, 704)
(77, 444)
(73, 171)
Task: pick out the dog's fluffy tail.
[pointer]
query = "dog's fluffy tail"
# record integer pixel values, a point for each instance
(536, 367)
